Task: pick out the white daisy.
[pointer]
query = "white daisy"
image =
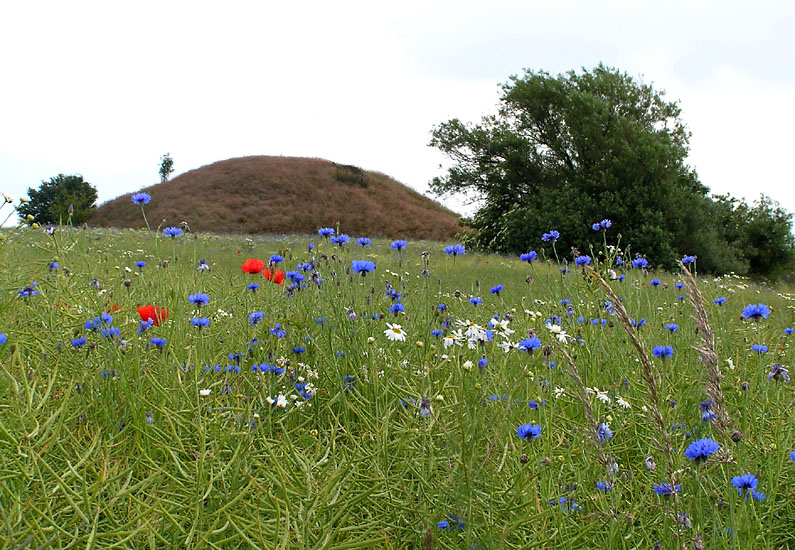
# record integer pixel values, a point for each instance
(559, 392)
(559, 333)
(395, 333)
(205, 393)
(621, 401)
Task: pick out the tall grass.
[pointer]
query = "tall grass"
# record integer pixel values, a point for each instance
(115, 444)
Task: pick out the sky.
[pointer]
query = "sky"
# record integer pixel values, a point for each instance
(104, 89)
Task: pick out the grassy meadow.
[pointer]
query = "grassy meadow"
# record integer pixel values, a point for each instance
(539, 417)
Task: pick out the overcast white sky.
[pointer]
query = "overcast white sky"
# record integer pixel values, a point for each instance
(104, 89)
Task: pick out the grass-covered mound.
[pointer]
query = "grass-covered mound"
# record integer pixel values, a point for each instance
(285, 195)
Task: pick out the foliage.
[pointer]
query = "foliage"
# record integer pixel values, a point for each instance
(566, 151)
(51, 203)
(166, 167)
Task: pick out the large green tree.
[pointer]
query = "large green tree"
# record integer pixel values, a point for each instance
(57, 199)
(565, 151)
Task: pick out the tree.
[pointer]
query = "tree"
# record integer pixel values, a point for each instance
(566, 151)
(57, 199)
(166, 167)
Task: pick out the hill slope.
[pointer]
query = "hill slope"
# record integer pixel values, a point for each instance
(285, 195)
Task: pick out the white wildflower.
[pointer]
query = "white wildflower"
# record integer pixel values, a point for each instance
(395, 333)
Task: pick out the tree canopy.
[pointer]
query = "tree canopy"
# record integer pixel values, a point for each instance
(567, 150)
(57, 199)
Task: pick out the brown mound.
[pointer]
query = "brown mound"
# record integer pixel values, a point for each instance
(285, 195)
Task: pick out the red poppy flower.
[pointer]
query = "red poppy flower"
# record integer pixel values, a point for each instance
(113, 309)
(155, 313)
(277, 277)
(252, 265)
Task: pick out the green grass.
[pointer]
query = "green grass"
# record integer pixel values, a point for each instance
(352, 467)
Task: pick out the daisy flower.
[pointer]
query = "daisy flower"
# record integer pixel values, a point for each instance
(395, 333)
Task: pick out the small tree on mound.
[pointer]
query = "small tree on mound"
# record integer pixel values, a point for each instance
(166, 167)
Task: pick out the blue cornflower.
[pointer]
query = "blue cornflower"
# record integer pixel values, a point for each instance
(474, 300)
(621, 278)
(688, 259)
(199, 299)
(582, 260)
(792, 456)
(455, 249)
(759, 348)
(496, 289)
(158, 342)
(140, 265)
(528, 431)
(640, 263)
(566, 504)
(398, 245)
(29, 291)
(172, 232)
(604, 432)
(700, 449)
(200, 322)
(662, 351)
(253, 287)
(482, 363)
(111, 332)
(340, 239)
(53, 266)
(679, 284)
(777, 372)
(530, 344)
(298, 349)
(325, 232)
(603, 486)
(4, 339)
(441, 307)
(437, 332)
(143, 326)
(319, 320)
(707, 414)
(655, 282)
(397, 308)
(788, 331)
(276, 259)
(363, 266)
(745, 482)
(619, 260)
(77, 342)
(363, 241)
(756, 311)
(278, 331)
(719, 301)
(255, 317)
(528, 257)
(444, 524)
(141, 198)
(553, 236)
(673, 327)
(666, 489)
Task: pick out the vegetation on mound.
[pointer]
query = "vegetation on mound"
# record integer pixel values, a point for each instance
(283, 195)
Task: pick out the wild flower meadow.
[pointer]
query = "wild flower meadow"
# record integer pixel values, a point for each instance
(171, 389)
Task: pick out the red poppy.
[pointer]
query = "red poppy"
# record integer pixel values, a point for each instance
(252, 265)
(113, 309)
(277, 277)
(153, 313)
